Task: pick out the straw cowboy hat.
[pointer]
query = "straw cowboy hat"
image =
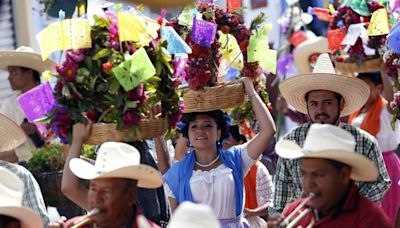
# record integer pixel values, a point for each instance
(305, 50)
(25, 57)
(11, 135)
(354, 91)
(327, 141)
(193, 215)
(11, 192)
(117, 160)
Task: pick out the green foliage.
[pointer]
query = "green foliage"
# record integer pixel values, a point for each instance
(47, 159)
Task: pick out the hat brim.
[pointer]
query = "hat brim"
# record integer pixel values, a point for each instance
(302, 53)
(25, 59)
(354, 91)
(362, 169)
(27, 217)
(11, 135)
(147, 176)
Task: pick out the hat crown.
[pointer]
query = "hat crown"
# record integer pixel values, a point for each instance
(324, 137)
(115, 155)
(11, 188)
(324, 65)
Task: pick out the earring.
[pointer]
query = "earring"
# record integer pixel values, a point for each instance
(188, 143)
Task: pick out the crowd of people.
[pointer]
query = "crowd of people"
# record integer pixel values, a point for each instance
(329, 173)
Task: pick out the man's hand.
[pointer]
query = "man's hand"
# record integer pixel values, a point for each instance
(275, 220)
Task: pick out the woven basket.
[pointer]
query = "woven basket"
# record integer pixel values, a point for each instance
(366, 66)
(104, 132)
(223, 95)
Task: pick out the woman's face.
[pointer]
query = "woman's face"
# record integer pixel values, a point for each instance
(203, 132)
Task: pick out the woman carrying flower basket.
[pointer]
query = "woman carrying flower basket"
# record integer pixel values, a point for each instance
(210, 175)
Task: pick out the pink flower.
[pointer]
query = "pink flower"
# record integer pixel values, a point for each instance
(75, 56)
(68, 70)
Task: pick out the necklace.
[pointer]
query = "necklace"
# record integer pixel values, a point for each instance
(207, 165)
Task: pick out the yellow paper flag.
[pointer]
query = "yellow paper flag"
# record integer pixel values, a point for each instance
(269, 62)
(131, 27)
(379, 24)
(230, 50)
(152, 28)
(64, 35)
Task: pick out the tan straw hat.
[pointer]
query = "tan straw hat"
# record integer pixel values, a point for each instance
(303, 52)
(327, 141)
(11, 192)
(354, 91)
(11, 135)
(117, 160)
(25, 57)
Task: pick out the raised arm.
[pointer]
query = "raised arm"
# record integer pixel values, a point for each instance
(387, 90)
(265, 121)
(70, 184)
(162, 154)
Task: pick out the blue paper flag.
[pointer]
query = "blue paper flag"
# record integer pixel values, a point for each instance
(175, 43)
(203, 32)
(393, 38)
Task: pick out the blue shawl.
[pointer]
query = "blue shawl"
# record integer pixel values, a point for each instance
(178, 176)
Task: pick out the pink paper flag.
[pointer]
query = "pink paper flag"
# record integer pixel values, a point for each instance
(37, 102)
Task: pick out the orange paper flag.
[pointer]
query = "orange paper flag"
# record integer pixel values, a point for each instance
(233, 4)
(335, 37)
(297, 38)
(322, 14)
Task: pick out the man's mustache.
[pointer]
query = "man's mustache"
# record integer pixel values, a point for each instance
(321, 115)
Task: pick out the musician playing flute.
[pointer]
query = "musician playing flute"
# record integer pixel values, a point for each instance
(329, 167)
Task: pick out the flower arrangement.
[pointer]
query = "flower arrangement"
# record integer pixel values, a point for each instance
(204, 62)
(365, 47)
(392, 67)
(97, 84)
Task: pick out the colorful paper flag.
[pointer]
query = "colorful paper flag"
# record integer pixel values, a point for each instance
(232, 4)
(393, 38)
(379, 23)
(353, 32)
(37, 102)
(175, 43)
(231, 50)
(322, 14)
(138, 69)
(335, 38)
(258, 50)
(297, 38)
(203, 32)
(64, 35)
(359, 6)
(187, 15)
(130, 27)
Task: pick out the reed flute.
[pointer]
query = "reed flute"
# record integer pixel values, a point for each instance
(85, 218)
(286, 221)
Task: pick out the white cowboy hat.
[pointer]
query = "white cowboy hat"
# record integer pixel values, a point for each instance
(327, 141)
(11, 135)
(11, 192)
(354, 91)
(25, 57)
(117, 160)
(193, 215)
(303, 52)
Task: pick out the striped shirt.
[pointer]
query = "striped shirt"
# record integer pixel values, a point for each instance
(32, 197)
(287, 179)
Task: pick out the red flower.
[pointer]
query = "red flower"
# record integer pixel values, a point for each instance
(130, 119)
(107, 66)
